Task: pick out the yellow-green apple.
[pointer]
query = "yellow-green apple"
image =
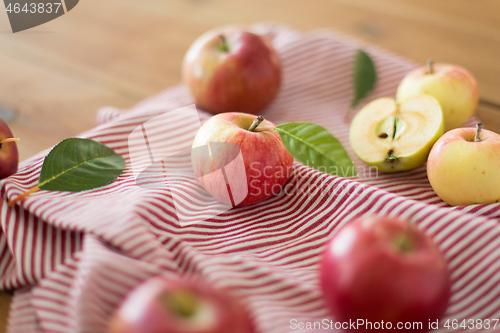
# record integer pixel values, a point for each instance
(454, 87)
(244, 158)
(162, 305)
(396, 137)
(9, 156)
(232, 70)
(464, 167)
(384, 271)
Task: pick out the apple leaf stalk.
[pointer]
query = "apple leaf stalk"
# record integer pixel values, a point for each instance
(23, 196)
(9, 140)
(477, 137)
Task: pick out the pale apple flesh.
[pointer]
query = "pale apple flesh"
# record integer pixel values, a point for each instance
(464, 172)
(396, 137)
(454, 87)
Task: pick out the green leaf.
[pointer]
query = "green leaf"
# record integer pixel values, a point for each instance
(364, 76)
(314, 146)
(76, 164)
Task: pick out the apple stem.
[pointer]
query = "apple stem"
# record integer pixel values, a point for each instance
(404, 243)
(9, 140)
(430, 66)
(181, 302)
(256, 123)
(23, 196)
(479, 127)
(223, 46)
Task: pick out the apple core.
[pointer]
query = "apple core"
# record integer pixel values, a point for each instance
(396, 137)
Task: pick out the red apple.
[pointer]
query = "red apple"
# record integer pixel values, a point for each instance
(9, 156)
(384, 269)
(463, 167)
(254, 162)
(162, 305)
(232, 70)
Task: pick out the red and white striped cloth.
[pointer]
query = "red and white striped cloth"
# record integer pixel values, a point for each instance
(74, 256)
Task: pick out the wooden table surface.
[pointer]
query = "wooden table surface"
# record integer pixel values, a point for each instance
(118, 52)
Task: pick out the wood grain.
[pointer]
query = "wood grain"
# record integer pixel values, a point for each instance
(118, 52)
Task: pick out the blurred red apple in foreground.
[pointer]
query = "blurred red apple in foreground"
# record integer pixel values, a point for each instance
(9, 156)
(384, 269)
(232, 70)
(245, 158)
(162, 305)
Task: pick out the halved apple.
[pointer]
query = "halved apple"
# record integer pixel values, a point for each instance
(396, 137)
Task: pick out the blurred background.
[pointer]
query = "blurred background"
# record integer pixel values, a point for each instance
(117, 52)
(54, 78)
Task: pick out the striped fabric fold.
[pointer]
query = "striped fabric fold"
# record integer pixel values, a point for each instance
(74, 256)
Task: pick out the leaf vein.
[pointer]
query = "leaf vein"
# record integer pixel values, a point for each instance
(67, 170)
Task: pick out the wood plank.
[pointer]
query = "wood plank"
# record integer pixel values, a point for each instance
(155, 31)
(50, 106)
(5, 298)
(489, 114)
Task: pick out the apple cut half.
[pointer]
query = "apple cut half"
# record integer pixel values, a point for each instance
(396, 137)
